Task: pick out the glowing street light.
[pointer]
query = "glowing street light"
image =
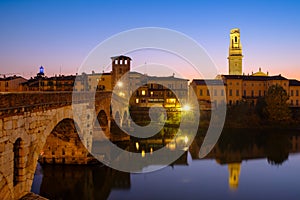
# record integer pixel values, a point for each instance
(119, 84)
(186, 107)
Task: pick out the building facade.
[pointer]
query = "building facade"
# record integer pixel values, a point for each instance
(169, 92)
(241, 88)
(11, 83)
(43, 83)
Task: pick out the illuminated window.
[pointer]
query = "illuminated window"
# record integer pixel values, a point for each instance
(125, 62)
(151, 93)
(116, 62)
(171, 100)
(137, 100)
(121, 62)
(143, 92)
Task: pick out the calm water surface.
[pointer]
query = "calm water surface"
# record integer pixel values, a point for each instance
(243, 165)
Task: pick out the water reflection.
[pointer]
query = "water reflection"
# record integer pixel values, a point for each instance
(233, 150)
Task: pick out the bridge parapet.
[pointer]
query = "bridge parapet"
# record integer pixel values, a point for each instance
(18, 103)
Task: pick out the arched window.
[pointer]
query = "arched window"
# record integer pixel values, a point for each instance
(235, 39)
(17, 167)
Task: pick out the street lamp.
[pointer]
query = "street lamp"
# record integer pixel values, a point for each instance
(186, 108)
(119, 84)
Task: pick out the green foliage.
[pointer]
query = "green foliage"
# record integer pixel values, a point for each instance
(276, 108)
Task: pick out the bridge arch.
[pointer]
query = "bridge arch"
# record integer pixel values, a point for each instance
(35, 147)
(125, 119)
(101, 127)
(117, 117)
(102, 119)
(63, 145)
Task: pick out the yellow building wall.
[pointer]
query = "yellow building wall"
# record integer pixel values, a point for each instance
(214, 94)
(234, 91)
(294, 96)
(254, 88)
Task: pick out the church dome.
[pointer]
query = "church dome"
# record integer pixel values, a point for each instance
(260, 73)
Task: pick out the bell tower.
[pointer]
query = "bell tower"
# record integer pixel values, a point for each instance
(235, 53)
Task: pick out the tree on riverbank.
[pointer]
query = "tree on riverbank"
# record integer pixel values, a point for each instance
(276, 107)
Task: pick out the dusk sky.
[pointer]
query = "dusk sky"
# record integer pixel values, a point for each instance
(60, 34)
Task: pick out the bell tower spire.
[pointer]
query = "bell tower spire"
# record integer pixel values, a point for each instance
(235, 57)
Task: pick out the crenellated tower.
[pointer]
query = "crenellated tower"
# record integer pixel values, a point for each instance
(120, 67)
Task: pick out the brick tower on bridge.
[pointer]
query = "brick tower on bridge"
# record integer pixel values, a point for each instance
(120, 66)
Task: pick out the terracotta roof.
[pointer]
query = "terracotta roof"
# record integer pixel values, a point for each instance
(294, 82)
(11, 78)
(121, 56)
(168, 78)
(208, 82)
(255, 78)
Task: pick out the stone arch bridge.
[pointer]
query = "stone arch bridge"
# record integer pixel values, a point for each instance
(28, 120)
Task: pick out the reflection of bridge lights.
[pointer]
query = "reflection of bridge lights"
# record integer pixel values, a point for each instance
(137, 146)
(143, 153)
(151, 150)
(122, 94)
(119, 84)
(171, 145)
(186, 108)
(186, 139)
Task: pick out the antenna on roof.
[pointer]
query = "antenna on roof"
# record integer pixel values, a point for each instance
(145, 68)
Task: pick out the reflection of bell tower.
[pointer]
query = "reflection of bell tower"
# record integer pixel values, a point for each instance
(120, 66)
(235, 53)
(234, 174)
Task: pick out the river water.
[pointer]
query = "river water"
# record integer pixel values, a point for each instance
(244, 164)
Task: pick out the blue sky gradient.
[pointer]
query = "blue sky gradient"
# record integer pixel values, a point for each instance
(60, 34)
